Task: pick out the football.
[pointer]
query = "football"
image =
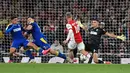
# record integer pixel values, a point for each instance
(83, 57)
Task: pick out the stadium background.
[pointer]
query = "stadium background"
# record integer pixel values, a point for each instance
(113, 14)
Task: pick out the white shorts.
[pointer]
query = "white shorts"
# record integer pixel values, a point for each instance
(73, 45)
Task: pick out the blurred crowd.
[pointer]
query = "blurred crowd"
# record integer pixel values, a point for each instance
(114, 16)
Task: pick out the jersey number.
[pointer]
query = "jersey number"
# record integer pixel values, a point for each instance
(77, 29)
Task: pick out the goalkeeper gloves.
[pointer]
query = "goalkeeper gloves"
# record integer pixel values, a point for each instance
(122, 37)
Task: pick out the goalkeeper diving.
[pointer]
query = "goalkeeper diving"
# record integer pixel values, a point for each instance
(95, 33)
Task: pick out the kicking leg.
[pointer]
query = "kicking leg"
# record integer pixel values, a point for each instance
(85, 53)
(35, 47)
(81, 48)
(54, 52)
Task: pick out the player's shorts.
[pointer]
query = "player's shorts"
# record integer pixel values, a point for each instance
(91, 48)
(73, 45)
(17, 43)
(42, 44)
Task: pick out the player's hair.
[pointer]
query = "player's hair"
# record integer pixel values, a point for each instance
(13, 17)
(95, 20)
(68, 14)
(31, 17)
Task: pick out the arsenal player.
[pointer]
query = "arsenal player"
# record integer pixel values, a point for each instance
(74, 38)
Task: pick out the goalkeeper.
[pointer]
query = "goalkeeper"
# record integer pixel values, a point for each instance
(95, 33)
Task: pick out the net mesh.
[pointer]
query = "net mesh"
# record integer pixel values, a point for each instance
(50, 15)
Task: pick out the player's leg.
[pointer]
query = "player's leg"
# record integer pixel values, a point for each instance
(75, 52)
(14, 46)
(75, 59)
(34, 46)
(57, 53)
(71, 54)
(96, 60)
(95, 54)
(71, 46)
(94, 50)
(54, 52)
(30, 44)
(27, 51)
(46, 48)
(29, 54)
(12, 50)
(81, 48)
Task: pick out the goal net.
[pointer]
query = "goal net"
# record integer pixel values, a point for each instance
(50, 15)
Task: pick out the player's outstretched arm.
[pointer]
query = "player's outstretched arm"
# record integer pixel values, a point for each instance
(122, 37)
(9, 28)
(70, 33)
(81, 25)
(77, 19)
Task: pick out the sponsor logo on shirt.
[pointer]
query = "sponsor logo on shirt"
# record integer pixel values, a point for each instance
(94, 33)
(17, 29)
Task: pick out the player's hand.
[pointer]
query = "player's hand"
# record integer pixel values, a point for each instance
(25, 33)
(65, 42)
(30, 21)
(122, 37)
(85, 28)
(29, 27)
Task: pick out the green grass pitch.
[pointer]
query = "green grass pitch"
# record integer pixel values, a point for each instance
(64, 68)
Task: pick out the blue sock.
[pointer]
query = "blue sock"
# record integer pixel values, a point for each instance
(62, 55)
(40, 51)
(29, 54)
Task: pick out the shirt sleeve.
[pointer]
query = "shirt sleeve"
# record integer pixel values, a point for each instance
(70, 34)
(9, 28)
(68, 26)
(103, 31)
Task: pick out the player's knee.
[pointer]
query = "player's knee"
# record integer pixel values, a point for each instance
(30, 44)
(52, 50)
(12, 50)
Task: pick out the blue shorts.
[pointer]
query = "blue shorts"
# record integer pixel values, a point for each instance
(41, 44)
(17, 43)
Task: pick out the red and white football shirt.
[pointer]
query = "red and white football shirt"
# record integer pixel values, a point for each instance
(72, 25)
